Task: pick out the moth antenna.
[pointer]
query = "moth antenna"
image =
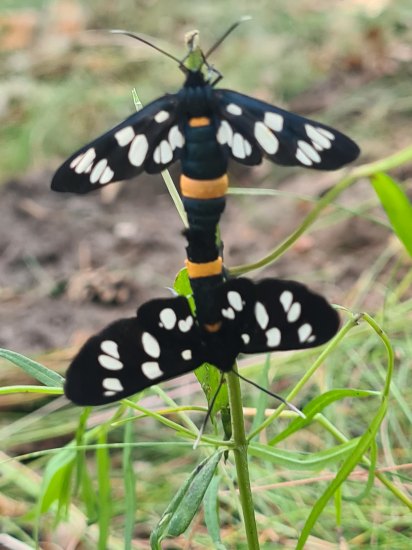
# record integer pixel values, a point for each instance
(226, 34)
(209, 411)
(145, 41)
(275, 395)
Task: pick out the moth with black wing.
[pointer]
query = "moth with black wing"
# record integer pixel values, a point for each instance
(202, 127)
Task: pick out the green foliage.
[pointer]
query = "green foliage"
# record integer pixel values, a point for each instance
(397, 206)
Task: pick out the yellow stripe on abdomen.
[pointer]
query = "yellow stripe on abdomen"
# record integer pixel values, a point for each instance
(206, 269)
(204, 189)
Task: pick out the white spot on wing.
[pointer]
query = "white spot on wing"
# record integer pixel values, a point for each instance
(161, 116)
(238, 148)
(273, 337)
(151, 370)
(247, 146)
(274, 121)
(98, 171)
(110, 363)
(110, 347)
(261, 315)
(124, 136)
(185, 325)
(309, 151)
(168, 318)
(245, 338)
(266, 139)
(319, 140)
(175, 138)
(235, 300)
(150, 345)
(326, 133)
(294, 313)
(76, 160)
(286, 299)
(86, 161)
(225, 133)
(106, 176)
(302, 158)
(138, 150)
(304, 333)
(233, 109)
(112, 384)
(228, 313)
(166, 153)
(187, 354)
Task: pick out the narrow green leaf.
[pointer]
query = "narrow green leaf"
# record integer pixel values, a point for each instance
(184, 505)
(129, 486)
(317, 405)
(183, 288)
(347, 467)
(209, 378)
(56, 474)
(397, 206)
(303, 461)
(193, 497)
(34, 369)
(212, 513)
(103, 477)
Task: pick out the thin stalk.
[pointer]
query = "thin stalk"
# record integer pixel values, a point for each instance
(241, 462)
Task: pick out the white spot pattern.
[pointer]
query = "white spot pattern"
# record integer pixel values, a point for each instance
(110, 363)
(187, 354)
(98, 170)
(246, 338)
(234, 109)
(110, 357)
(124, 136)
(185, 325)
(86, 161)
(265, 138)
(151, 370)
(292, 309)
(309, 151)
(235, 300)
(273, 337)
(106, 176)
(274, 121)
(320, 138)
(176, 138)
(228, 313)
(161, 116)
(110, 347)
(150, 345)
(138, 150)
(305, 333)
(261, 315)
(238, 148)
(168, 318)
(225, 133)
(112, 384)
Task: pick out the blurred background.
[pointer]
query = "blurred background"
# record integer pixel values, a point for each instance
(71, 264)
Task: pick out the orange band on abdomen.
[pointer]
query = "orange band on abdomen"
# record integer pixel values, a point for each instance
(199, 121)
(204, 189)
(206, 269)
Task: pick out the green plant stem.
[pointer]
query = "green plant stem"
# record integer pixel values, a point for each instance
(241, 462)
(366, 170)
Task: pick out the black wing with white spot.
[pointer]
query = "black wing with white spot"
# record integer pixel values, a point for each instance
(286, 316)
(250, 129)
(129, 355)
(149, 140)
